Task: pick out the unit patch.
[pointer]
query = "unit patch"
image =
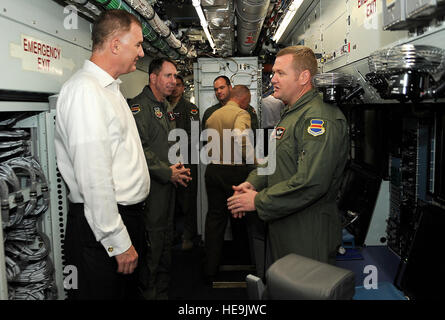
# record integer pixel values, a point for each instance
(135, 108)
(194, 111)
(171, 116)
(158, 112)
(316, 127)
(279, 132)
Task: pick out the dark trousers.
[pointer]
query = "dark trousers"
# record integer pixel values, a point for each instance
(158, 217)
(97, 272)
(219, 181)
(186, 203)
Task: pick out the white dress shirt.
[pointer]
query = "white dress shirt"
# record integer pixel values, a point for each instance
(99, 153)
(270, 112)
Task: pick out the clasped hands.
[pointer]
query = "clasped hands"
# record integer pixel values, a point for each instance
(243, 200)
(180, 175)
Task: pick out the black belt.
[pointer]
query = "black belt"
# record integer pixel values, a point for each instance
(132, 209)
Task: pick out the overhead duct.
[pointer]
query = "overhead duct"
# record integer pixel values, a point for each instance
(250, 17)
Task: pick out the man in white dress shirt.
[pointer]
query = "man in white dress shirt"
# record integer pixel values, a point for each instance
(100, 157)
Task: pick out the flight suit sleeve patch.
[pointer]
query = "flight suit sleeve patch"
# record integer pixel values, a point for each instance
(316, 127)
(136, 108)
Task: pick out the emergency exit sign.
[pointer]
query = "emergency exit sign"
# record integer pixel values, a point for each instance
(40, 56)
(371, 6)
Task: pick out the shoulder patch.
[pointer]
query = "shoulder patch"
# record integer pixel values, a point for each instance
(279, 132)
(316, 127)
(194, 111)
(135, 108)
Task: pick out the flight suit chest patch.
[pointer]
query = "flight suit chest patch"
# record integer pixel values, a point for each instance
(193, 114)
(171, 116)
(158, 112)
(316, 127)
(279, 132)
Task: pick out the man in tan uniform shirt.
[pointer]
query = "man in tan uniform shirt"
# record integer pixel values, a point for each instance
(225, 171)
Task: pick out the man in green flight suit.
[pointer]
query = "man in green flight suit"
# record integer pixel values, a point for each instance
(184, 113)
(154, 124)
(298, 199)
(222, 88)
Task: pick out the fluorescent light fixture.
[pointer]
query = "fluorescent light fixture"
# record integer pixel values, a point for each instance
(291, 11)
(204, 24)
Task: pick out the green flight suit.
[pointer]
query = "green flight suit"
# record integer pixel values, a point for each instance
(154, 125)
(186, 197)
(298, 200)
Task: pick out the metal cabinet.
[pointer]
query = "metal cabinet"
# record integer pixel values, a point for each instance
(37, 119)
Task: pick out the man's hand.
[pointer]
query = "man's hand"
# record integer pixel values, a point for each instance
(127, 261)
(239, 188)
(180, 175)
(243, 200)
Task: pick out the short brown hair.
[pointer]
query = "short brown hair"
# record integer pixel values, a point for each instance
(110, 22)
(157, 63)
(303, 57)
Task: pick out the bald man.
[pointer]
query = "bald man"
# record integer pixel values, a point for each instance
(222, 174)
